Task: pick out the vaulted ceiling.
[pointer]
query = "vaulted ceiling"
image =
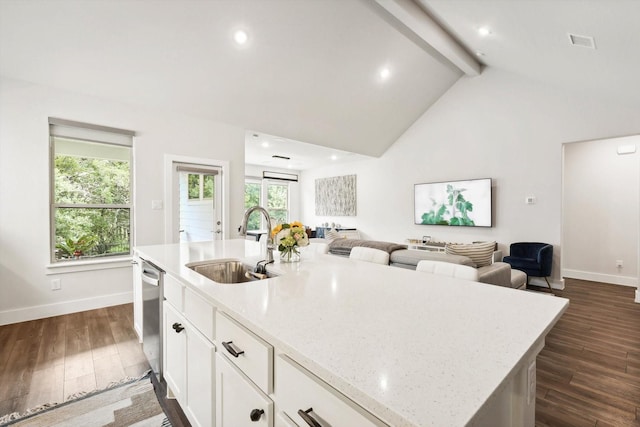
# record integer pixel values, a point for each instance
(311, 69)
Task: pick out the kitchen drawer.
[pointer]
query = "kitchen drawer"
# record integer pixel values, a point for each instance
(298, 390)
(200, 313)
(174, 292)
(250, 353)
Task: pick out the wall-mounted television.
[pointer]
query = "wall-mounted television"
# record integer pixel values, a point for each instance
(457, 203)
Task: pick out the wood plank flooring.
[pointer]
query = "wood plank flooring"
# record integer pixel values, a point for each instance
(47, 360)
(589, 370)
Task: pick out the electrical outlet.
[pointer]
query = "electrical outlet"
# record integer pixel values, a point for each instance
(530, 200)
(531, 382)
(56, 285)
(619, 263)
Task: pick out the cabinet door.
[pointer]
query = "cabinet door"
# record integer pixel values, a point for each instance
(137, 296)
(282, 420)
(238, 401)
(200, 379)
(175, 353)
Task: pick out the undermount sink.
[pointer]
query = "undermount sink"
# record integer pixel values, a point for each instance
(227, 271)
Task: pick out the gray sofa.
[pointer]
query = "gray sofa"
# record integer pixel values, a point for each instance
(498, 273)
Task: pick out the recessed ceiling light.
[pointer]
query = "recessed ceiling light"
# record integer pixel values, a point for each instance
(334, 157)
(265, 144)
(484, 31)
(240, 37)
(385, 73)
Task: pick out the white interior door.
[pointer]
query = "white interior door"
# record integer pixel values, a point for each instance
(198, 207)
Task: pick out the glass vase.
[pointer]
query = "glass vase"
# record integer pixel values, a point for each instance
(290, 255)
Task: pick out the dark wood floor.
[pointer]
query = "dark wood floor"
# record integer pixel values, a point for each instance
(588, 373)
(589, 370)
(47, 360)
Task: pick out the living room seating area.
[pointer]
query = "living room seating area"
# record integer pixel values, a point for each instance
(482, 256)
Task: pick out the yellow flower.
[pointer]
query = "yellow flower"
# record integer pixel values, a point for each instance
(276, 229)
(296, 224)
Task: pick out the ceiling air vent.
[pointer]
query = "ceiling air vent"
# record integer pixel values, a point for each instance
(582, 41)
(276, 156)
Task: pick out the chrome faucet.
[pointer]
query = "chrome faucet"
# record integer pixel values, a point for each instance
(243, 229)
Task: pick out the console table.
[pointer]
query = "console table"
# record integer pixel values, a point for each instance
(321, 230)
(426, 246)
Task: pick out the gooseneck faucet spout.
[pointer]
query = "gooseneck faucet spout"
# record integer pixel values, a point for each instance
(243, 228)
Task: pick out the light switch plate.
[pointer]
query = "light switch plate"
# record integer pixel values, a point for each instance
(156, 205)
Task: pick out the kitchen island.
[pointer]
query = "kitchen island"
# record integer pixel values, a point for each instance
(410, 348)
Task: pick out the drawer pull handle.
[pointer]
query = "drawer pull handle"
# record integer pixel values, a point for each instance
(231, 348)
(256, 414)
(177, 327)
(308, 418)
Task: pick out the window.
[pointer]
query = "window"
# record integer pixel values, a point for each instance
(201, 186)
(277, 201)
(90, 191)
(252, 197)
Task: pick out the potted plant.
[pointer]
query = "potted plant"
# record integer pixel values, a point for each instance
(75, 248)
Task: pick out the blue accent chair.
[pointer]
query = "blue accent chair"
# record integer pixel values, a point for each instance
(534, 258)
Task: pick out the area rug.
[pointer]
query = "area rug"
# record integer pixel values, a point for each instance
(131, 403)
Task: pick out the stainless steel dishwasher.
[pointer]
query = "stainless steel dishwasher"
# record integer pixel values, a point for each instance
(152, 297)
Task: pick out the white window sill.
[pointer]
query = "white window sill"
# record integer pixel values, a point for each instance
(88, 265)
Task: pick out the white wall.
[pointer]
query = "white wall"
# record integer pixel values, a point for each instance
(496, 125)
(600, 211)
(25, 288)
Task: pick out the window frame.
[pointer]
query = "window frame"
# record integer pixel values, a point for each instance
(264, 196)
(266, 184)
(201, 198)
(84, 132)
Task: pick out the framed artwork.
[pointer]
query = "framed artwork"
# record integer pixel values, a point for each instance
(336, 196)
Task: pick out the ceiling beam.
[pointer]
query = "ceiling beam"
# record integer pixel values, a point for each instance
(418, 22)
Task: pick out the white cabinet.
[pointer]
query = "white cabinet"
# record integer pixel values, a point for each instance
(189, 356)
(175, 353)
(137, 296)
(282, 420)
(200, 379)
(239, 402)
(309, 401)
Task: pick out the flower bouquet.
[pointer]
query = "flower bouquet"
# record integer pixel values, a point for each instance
(288, 237)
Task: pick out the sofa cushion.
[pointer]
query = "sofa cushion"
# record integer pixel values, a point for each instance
(411, 257)
(480, 253)
(344, 246)
(498, 273)
(332, 235)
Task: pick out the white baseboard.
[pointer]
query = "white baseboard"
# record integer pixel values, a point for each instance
(599, 277)
(638, 295)
(48, 310)
(539, 281)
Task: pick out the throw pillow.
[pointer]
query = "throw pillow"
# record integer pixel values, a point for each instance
(332, 235)
(480, 253)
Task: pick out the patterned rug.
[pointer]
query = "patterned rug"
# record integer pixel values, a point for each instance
(131, 403)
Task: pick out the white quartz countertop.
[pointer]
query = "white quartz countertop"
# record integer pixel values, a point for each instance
(413, 348)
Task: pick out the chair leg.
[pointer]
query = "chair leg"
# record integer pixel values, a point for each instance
(548, 284)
